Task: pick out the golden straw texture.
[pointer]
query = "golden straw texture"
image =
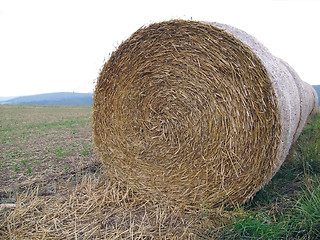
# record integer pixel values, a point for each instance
(186, 113)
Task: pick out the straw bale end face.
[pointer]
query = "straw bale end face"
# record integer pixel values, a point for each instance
(185, 112)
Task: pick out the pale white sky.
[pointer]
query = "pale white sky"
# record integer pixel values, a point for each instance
(60, 45)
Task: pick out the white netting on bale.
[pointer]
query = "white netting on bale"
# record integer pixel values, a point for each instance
(296, 99)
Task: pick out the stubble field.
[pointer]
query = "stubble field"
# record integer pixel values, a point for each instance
(52, 186)
(40, 144)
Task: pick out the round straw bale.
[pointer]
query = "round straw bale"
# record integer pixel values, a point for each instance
(196, 113)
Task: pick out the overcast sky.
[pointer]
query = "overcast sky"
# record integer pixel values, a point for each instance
(61, 45)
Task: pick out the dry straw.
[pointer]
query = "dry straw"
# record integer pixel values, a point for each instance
(196, 113)
(94, 209)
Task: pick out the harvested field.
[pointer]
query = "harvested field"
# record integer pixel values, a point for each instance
(86, 204)
(43, 143)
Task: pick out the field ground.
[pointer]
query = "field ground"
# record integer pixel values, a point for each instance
(49, 171)
(43, 143)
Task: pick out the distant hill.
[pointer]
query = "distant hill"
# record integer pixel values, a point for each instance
(56, 99)
(3, 99)
(317, 88)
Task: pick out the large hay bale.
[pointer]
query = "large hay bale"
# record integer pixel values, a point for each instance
(196, 113)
